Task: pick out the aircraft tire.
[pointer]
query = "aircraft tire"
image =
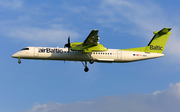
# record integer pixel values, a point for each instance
(19, 61)
(86, 69)
(91, 61)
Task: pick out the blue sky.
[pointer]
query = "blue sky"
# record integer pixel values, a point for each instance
(55, 86)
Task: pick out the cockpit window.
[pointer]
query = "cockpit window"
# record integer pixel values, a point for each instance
(25, 49)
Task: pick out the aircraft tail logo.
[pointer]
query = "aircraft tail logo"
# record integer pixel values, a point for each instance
(158, 42)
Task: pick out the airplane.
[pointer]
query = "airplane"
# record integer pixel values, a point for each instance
(91, 51)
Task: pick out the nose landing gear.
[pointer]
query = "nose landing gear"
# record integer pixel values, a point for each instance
(19, 60)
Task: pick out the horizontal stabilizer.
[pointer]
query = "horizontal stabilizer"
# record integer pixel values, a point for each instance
(163, 31)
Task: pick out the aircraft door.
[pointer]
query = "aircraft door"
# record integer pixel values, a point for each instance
(119, 55)
(36, 52)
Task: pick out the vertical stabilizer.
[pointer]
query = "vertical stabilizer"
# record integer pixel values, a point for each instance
(158, 42)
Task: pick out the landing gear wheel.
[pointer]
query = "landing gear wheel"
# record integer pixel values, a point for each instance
(19, 61)
(86, 69)
(91, 61)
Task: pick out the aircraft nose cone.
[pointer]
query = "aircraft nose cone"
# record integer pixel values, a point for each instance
(15, 55)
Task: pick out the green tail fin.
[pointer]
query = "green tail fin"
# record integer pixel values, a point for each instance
(158, 42)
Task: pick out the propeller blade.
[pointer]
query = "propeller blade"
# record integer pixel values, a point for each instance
(69, 40)
(68, 45)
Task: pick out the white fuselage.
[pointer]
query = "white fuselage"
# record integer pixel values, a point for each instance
(112, 55)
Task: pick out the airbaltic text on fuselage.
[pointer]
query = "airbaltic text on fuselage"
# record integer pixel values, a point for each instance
(50, 50)
(156, 47)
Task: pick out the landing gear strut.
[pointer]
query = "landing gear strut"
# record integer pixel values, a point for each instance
(86, 69)
(19, 60)
(91, 61)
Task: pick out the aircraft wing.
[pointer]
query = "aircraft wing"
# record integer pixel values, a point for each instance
(90, 44)
(92, 39)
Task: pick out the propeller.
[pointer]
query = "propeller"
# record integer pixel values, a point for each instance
(68, 44)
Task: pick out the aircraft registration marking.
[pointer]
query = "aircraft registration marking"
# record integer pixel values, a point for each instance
(140, 55)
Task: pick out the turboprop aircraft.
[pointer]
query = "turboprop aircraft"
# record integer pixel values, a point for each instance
(91, 51)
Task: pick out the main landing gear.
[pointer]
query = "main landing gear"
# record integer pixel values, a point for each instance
(86, 69)
(19, 60)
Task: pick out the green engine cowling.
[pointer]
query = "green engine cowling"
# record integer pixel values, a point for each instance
(79, 46)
